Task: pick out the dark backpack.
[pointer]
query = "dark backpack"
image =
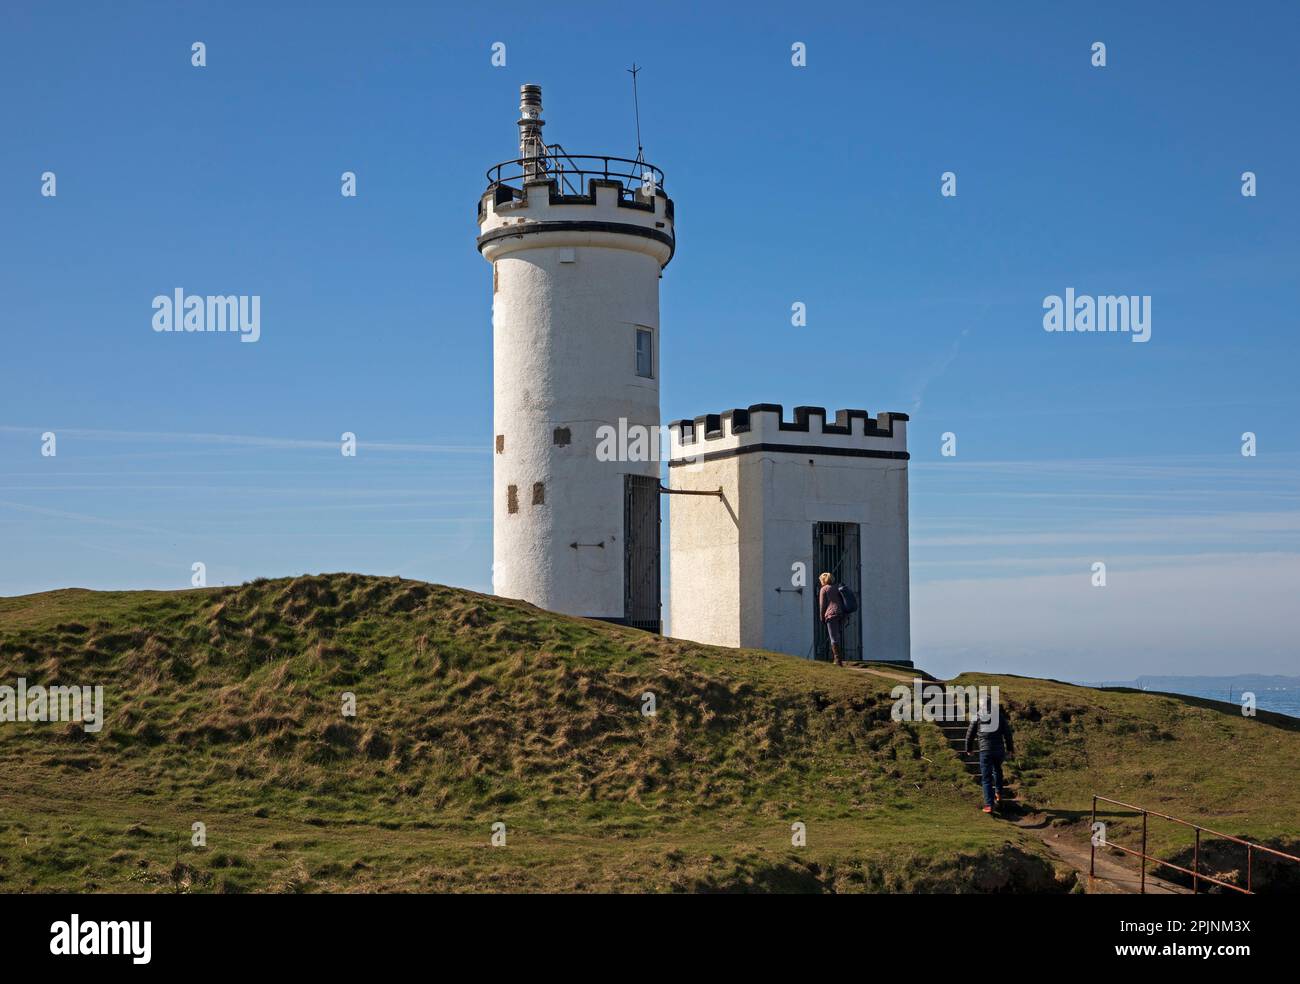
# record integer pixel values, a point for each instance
(850, 600)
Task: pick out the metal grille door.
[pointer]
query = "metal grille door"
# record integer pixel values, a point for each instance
(837, 548)
(641, 604)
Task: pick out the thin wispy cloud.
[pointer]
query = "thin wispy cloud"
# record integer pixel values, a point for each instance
(1168, 617)
(243, 440)
(935, 371)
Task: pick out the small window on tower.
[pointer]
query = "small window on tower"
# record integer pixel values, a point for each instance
(539, 494)
(501, 443)
(495, 283)
(512, 498)
(645, 353)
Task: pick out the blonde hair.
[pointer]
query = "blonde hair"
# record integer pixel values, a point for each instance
(825, 579)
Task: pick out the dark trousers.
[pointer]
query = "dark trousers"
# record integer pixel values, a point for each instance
(835, 629)
(991, 774)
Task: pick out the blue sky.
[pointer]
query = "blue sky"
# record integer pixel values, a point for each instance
(816, 184)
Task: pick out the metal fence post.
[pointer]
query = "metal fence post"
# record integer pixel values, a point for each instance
(1092, 839)
(1196, 863)
(1144, 852)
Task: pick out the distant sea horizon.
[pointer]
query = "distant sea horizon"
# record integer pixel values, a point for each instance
(1279, 694)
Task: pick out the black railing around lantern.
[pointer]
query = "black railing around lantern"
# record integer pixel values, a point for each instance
(571, 172)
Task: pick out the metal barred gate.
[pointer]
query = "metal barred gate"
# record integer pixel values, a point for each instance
(837, 548)
(641, 602)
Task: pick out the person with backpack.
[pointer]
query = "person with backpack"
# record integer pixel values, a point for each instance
(834, 605)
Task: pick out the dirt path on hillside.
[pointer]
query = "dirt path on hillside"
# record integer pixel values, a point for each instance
(902, 676)
(1113, 877)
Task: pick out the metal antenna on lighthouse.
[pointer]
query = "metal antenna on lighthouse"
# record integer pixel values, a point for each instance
(636, 106)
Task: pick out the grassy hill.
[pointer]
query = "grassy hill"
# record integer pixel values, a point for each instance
(224, 707)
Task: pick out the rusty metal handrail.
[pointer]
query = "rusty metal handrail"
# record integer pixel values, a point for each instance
(1194, 871)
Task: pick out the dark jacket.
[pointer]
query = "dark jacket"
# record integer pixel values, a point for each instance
(997, 742)
(830, 602)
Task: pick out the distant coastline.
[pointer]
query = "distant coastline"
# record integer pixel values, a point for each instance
(1279, 694)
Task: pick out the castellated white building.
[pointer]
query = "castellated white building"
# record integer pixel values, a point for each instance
(798, 497)
(577, 245)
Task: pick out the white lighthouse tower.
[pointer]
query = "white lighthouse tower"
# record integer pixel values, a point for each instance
(576, 244)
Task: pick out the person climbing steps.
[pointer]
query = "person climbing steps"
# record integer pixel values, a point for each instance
(996, 742)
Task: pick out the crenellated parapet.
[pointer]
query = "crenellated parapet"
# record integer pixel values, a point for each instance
(552, 212)
(763, 427)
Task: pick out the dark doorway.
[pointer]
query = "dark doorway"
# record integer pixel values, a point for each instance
(641, 604)
(837, 548)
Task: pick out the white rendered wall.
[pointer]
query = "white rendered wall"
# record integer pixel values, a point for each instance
(868, 491)
(704, 549)
(565, 311)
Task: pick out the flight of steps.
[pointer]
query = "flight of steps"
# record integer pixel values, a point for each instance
(954, 732)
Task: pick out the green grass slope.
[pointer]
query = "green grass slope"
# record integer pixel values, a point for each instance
(1186, 757)
(223, 706)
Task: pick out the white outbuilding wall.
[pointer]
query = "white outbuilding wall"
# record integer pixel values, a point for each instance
(779, 478)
